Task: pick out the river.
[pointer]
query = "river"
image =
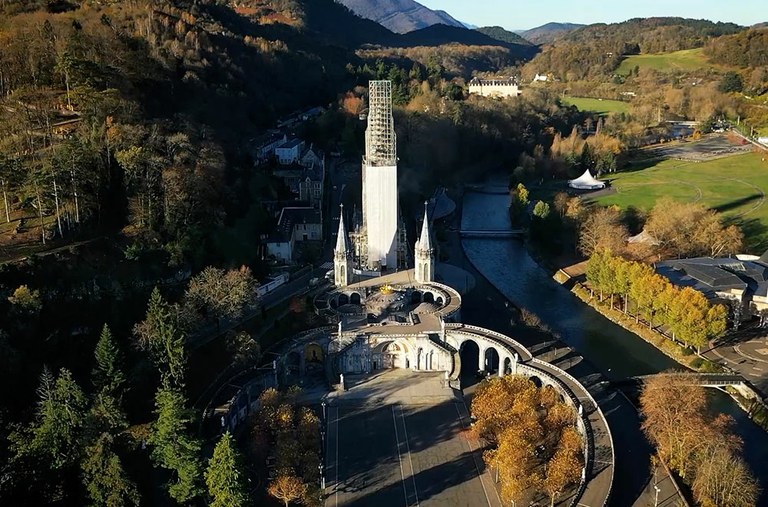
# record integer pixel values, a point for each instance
(609, 347)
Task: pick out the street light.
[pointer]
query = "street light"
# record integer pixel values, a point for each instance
(656, 503)
(322, 404)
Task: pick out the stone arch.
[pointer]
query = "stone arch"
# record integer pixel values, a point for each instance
(343, 299)
(355, 298)
(536, 380)
(429, 297)
(507, 365)
(314, 353)
(421, 359)
(342, 273)
(469, 352)
(293, 361)
(415, 297)
(491, 359)
(439, 300)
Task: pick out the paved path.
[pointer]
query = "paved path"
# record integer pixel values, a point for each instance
(401, 438)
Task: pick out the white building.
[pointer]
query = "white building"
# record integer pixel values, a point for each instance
(495, 87)
(380, 200)
(290, 151)
(295, 225)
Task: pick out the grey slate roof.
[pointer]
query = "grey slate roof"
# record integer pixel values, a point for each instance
(711, 275)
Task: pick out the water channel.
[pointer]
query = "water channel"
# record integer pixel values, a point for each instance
(612, 349)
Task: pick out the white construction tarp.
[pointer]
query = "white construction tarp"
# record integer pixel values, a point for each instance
(586, 182)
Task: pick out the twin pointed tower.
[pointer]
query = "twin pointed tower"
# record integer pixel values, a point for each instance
(424, 257)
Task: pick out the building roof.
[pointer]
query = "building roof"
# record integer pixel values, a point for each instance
(289, 218)
(290, 144)
(712, 275)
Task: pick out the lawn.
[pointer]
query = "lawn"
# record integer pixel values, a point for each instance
(735, 186)
(601, 106)
(685, 60)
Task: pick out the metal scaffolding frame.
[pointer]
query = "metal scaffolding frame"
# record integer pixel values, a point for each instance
(380, 140)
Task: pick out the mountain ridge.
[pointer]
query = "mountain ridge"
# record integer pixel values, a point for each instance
(548, 32)
(400, 16)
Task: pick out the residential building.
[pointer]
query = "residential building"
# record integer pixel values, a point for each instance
(290, 151)
(295, 225)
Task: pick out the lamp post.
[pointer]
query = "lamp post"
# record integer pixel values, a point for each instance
(656, 502)
(322, 404)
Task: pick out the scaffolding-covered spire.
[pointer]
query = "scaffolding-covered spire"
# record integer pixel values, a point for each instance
(425, 240)
(342, 246)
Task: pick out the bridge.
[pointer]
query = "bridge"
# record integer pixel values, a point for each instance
(699, 379)
(503, 233)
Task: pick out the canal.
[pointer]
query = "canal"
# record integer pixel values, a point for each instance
(614, 351)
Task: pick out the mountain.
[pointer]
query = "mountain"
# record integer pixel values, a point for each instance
(547, 33)
(438, 35)
(400, 16)
(503, 35)
(596, 51)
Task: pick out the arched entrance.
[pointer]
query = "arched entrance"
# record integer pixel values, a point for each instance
(470, 355)
(313, 353)
(354, 298)
(429, 297)
(491, 360)
(507, 365)
(415, 297)
(343, 299)
(439, 300)
(293, 362)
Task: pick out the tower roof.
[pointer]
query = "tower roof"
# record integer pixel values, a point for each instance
(425, 240)
(342, 246)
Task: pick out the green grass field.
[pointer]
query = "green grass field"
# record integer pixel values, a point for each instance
(601, 106)
(735, 186)
(685, 60)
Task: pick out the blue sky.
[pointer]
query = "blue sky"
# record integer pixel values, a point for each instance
(517, 15)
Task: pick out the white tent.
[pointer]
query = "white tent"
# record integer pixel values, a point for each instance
(586, 182)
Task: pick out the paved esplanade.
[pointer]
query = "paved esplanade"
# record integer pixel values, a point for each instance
(400, 438)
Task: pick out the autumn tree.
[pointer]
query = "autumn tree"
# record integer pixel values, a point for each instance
(602, 229)
(691, 229)
(674, 416)
(287, 488)
(221, 294)
(564, 469)
(225, 477)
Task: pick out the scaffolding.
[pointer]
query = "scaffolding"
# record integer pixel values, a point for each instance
(380, 140)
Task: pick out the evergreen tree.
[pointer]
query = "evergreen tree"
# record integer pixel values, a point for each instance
(161, 335)
(174, 448)
(60, 415)
(224, 477)
(108, 381)
(104, 478)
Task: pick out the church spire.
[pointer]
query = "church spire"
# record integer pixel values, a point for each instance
(342, 255)
(425, 253)
(425, 240)
(342, 247)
